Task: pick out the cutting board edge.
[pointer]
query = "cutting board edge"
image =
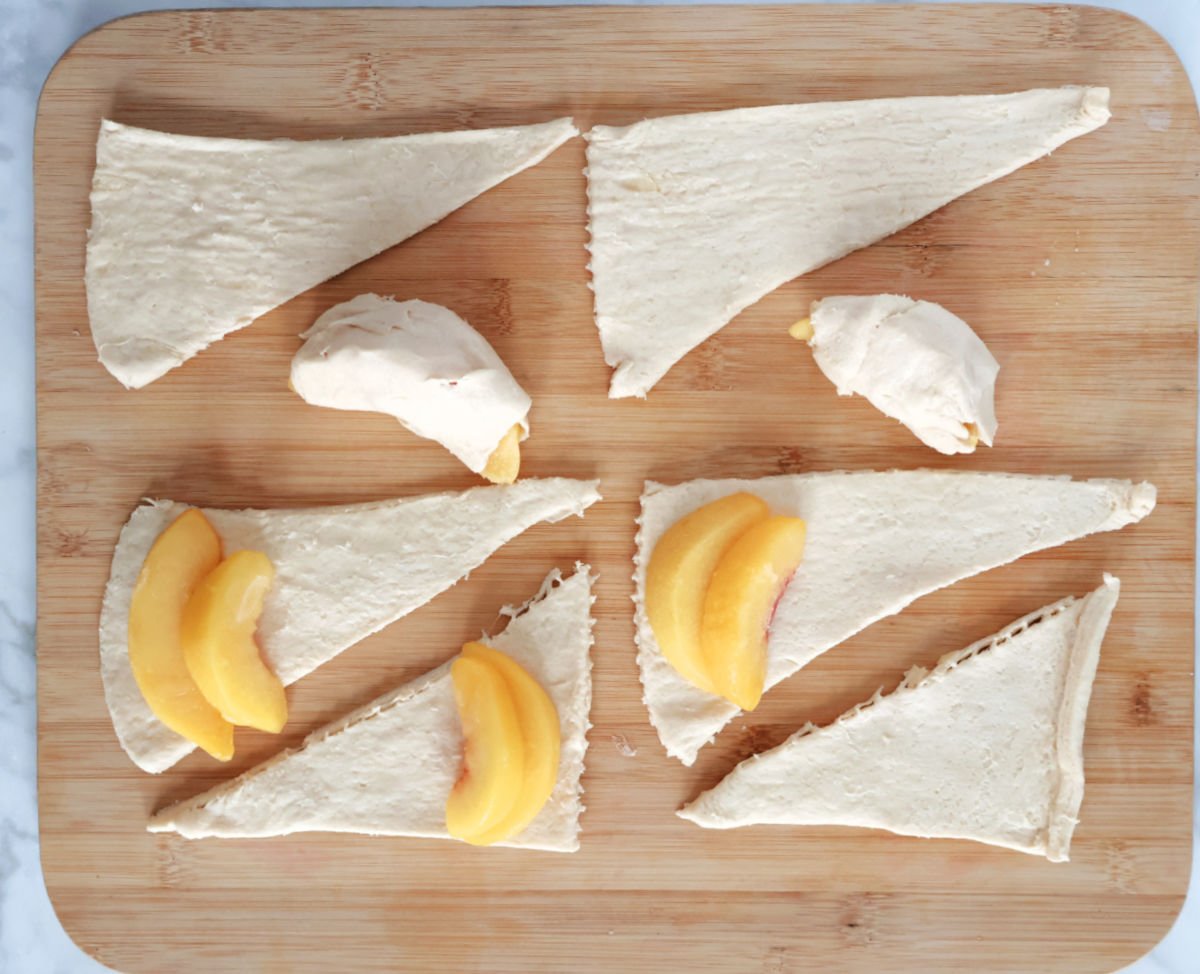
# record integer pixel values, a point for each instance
(1194, 121)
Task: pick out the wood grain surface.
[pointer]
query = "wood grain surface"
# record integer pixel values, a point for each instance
(1080, 271)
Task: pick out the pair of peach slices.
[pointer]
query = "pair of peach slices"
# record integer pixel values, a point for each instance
(191, 637)
(712, 585)
(511, 747)
(192, 649)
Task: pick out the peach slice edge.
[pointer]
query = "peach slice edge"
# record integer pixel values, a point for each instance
(678, 575)
(740, 602)
(182, 555)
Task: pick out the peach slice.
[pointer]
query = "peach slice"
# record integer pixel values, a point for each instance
(493, 753)
(505, 462)
(177, 562)
(742, 595)
(802, 330)
(219, 647)
(538, 720)
(677, 577)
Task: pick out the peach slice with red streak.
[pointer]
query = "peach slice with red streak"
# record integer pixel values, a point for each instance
(538, 721)
(493, 771)
(742, 594)
(678, 575)
(219, 647)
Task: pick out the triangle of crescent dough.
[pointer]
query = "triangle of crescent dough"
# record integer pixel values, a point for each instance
(388, 767)
(875, 543)
(195, 237)
(987, 746)
(695, 217)
(341, 573)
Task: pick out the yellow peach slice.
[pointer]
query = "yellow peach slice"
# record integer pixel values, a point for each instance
(219, 647)
(176, 563)
(493, 750)
(678, 575)
(505, 462)
(538, 720)
(802, 330)
(739, 604)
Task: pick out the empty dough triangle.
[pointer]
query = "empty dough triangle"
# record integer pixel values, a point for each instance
(195, 237)
(695, 217)
(388, 767)
(875, 543)
(341, 573)
(986, 746)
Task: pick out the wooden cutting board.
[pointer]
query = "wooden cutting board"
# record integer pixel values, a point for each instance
(1080, 271)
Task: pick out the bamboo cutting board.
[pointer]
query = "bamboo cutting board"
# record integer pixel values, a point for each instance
(1080, 271)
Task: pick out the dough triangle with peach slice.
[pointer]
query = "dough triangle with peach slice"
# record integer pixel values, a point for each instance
(388, 767)
(341, 574)
(693, 218)
(194, 237)
(988, 745)
(875, 543)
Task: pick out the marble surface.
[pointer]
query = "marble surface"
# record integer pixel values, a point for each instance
(33, 33)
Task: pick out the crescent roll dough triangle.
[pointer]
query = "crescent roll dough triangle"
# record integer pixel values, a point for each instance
(195, 237)
(875, 543)
(387, 768)
(342, 573)
(986, 746)
(695, 217)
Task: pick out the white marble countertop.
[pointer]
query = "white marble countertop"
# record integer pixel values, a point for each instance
(33, 33)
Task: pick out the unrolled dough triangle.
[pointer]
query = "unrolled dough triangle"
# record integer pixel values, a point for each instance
(695, 217)
(341, 573)
(195, 237)
(986, 746)
(875, 543)
(387, 768)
